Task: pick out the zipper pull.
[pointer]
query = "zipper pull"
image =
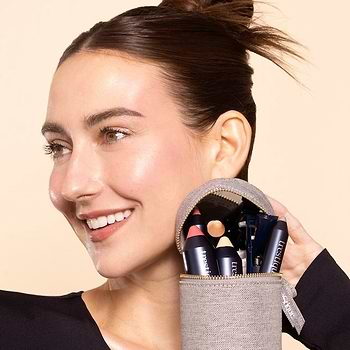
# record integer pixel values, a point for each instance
(289, 306)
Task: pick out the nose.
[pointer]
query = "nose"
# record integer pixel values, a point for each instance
(82, 180)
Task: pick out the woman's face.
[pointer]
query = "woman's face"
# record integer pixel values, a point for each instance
(108, 166)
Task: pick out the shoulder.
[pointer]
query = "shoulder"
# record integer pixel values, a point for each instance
(26, 318)
(26, 305)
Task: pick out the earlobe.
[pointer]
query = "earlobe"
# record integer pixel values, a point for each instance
(232, 134)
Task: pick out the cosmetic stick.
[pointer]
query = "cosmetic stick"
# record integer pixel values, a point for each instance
(195, 218)
(274, 252)
(229, 261)
(199, 254)
(264, 225)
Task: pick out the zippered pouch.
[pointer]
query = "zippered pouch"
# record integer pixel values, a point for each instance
(240, 312)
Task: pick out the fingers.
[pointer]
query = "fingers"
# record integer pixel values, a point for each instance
(295, 229)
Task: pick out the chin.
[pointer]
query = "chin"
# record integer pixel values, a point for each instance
(110, 267)
(109, 271)
(118, 260)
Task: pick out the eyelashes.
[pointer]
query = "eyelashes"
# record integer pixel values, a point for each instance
(107, 134)
(51, 148)
(107, 131)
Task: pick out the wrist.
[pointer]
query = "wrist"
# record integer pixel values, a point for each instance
(311, 252)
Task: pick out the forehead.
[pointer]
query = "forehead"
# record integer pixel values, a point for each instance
(88, 82)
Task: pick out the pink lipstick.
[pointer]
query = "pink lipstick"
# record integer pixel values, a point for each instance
(199, 254)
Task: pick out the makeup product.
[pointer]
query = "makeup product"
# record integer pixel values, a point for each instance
(195, 219)
(243, 255)
(216, 228)
(257, 263)
(274, 252)
(264, 225)
(232, 231)
(199, 254)
(250, 235)
(228, 259)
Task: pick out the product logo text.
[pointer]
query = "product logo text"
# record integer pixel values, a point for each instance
(278, 257)
(205, 262)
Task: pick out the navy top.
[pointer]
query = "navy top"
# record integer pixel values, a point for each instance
(36, 322)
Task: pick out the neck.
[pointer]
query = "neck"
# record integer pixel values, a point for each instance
(147, 300)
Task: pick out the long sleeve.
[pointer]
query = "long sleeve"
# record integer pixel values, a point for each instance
(324, 300)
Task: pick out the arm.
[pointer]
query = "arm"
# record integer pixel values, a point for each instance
(322, 286)
(324, 300)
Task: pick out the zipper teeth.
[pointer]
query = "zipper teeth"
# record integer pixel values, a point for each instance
(211, 191)
(178, 233)
(239, 276)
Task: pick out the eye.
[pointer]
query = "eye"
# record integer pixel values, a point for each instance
(55, 150)
(112, 135)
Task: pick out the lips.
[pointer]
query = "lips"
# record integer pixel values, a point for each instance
(103, 233)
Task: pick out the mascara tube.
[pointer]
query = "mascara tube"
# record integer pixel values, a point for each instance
(276, 246)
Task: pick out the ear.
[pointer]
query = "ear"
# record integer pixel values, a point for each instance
(228, 144)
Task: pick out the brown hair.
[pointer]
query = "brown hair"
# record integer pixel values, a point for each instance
(202, 48)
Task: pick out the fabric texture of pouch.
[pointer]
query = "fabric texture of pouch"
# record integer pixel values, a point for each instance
(241, 312)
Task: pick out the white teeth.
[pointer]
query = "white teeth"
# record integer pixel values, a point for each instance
(119, 216)
(103, 221)
(94, 223)
(111, 219)
(127, 213)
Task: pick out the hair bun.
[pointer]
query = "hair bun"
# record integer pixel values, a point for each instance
(243, 9)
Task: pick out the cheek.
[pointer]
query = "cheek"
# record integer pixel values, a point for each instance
(152, 166)
(158, 176)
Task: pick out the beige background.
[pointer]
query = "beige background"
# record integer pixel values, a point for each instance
(301, 154)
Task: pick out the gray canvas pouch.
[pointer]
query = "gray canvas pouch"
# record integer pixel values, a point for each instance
(241, 312)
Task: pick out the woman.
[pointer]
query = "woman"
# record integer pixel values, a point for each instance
(143, 109)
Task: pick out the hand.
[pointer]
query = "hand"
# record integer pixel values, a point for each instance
(301, 248)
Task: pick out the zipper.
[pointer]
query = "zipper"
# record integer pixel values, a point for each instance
(186, 276)
(213, 191)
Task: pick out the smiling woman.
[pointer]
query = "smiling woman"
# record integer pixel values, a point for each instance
(116, 163)
(143, 109)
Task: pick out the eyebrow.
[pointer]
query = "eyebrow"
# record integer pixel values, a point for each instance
(92, 120)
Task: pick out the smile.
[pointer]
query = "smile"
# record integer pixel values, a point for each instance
(102, 221)
(117, 221)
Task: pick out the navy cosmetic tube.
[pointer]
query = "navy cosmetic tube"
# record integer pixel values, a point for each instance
(264, 225)
(229, 261)
(199, 257)
(274, 252)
